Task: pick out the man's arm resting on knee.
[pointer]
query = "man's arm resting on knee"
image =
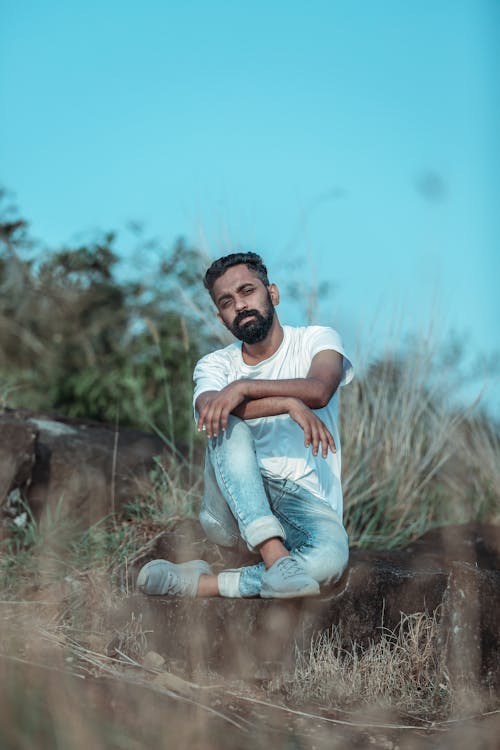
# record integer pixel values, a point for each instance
(250, 399)
(316, 433)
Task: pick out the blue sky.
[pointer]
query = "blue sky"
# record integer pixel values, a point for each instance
(349, 142)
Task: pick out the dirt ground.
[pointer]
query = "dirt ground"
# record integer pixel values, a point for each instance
(62, 706)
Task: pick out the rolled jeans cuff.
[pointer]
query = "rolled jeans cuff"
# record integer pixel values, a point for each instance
(261, 529)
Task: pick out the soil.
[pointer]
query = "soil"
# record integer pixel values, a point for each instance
(43, 708)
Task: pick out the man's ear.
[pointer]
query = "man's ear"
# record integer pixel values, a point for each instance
(275, 294)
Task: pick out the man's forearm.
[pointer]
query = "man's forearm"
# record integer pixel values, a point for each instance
(263, 407)
(311, 391)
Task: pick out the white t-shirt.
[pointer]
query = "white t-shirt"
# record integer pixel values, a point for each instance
(279, 441)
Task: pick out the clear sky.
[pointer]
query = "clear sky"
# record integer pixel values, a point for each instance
(353, 142)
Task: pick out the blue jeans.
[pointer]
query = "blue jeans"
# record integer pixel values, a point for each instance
(240, 503)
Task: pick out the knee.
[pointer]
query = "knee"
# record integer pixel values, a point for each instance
(236, 424)
(237, 434)
(326, 564)
(235, 446)
(216, 532)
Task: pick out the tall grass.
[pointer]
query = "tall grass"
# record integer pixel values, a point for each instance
(410, 460)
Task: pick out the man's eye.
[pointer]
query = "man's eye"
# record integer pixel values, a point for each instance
(248, 290)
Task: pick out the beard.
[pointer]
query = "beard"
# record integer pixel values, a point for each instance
(257, 329)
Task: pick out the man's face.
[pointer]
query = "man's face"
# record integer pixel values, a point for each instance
(245, 305)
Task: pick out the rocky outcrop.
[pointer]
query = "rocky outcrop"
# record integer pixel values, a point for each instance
(470, 626)
(88, 469)
(92, 469)
(443, 572)
(17, 454)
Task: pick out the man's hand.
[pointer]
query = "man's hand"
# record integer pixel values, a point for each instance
(316, 433)
(216, 406)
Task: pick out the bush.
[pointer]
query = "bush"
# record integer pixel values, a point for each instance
(78, 339)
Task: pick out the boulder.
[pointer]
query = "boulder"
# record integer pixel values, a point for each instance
(85, 468)
(17, 454)
(470, 626)
(252, 637)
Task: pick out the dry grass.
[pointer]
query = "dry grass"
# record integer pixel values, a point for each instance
(473, 473)
(403, 671)
(411, 461)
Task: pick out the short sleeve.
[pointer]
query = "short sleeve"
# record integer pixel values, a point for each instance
(210, 374)
(321, 338)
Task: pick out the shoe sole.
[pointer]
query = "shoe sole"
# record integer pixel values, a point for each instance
(309, 590)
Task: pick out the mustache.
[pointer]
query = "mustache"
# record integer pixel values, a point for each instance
(245, 314)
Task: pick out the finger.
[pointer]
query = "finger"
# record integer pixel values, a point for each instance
(315, 439)
(307, 434)
(207, 424)
(202, 416)
(328, 441)
(220, 418)
(215, 421)
(324, 443)
(331, 442)
(224, 416)
(210, 420)
(321, 437)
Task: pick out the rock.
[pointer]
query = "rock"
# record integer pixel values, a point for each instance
(153, 660)
(17, 454)
(470, 626)
(86, 469)
(238, 636)
(473, 543)
(250, 637)
(172, 682)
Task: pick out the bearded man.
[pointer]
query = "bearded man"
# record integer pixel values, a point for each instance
(269, 408)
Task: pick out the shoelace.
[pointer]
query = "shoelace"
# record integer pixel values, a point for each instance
(169, 581)
(289, 567)
(180, 585)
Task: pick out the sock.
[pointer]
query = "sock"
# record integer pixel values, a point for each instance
(228, 582)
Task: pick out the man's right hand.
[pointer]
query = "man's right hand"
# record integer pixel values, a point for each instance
(316, 433)
(214, 407)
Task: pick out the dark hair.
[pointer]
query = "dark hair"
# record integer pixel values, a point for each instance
(253, 262)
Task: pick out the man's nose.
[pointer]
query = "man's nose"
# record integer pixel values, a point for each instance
(240, 304)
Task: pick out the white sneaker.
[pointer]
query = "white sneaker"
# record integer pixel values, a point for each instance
(160, 577)
(286, 579)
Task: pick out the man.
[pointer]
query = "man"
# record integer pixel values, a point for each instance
(268, 406)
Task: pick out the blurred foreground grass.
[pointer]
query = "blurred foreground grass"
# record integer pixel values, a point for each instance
(70, 679)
